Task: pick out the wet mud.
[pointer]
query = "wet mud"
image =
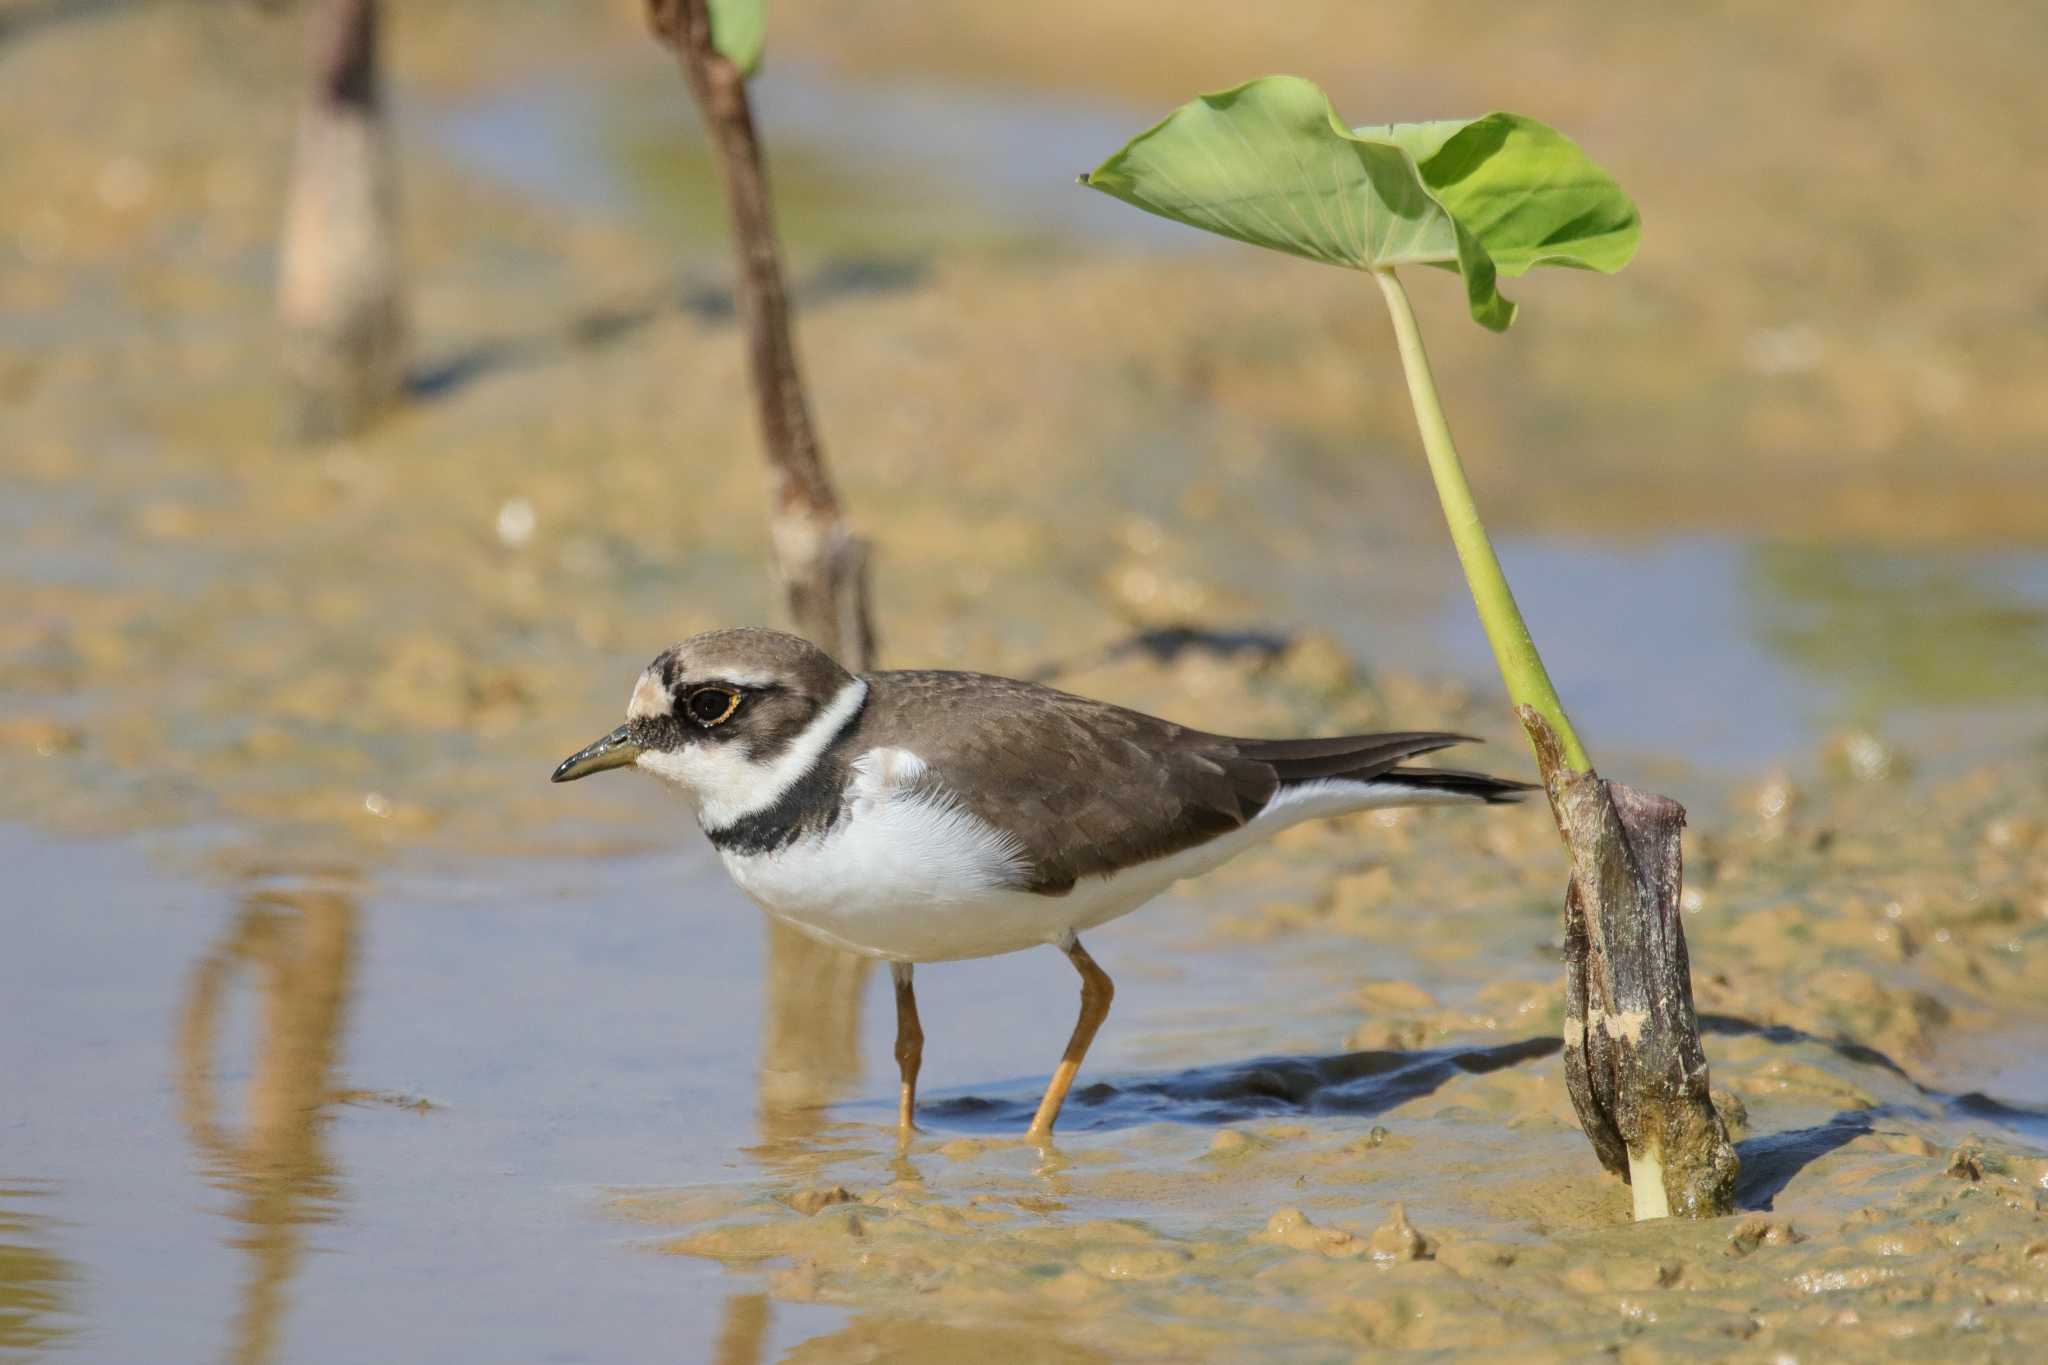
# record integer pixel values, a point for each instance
(1219, 1209)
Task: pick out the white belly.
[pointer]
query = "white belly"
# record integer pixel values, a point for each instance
(904, 875)
(907, 908)
(912, 879)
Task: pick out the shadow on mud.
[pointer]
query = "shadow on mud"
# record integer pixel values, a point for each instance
(1354, 1083)
(1769, 1162)
(1167, 645)
(2031, 1120)
(1362, 1084)
(703, 299)
(1784, 1035)
(29, 18)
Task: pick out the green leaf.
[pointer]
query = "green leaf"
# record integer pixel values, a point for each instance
(1270, 163)
(739, 29)
(1532, 197)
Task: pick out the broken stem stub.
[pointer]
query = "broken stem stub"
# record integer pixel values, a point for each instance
(1633, 1060)
(340, 286)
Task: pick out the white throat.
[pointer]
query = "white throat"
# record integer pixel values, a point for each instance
(728, 785)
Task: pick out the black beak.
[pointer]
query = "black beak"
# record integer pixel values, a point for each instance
(615, 750)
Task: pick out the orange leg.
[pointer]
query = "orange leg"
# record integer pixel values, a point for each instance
(1097, 990)
(909, 1045)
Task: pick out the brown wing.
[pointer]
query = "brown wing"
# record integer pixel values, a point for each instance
(1090, 788)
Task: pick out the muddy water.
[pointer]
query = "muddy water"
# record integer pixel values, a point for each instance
(333, 1032)
(1761, 650)
(269, 1120)
(243, 1112)
(865, 159)
(483, 1097)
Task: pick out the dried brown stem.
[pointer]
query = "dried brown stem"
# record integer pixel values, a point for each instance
(822, 565)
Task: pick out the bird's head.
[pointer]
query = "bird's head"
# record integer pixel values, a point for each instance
(733, 717)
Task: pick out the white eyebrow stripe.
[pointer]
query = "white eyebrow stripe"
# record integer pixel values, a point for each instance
(649, 699)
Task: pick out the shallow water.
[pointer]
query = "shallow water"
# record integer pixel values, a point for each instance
(908, 165)
(244, 1110)
(257, 1213)
(503, 1047)
(1740, 652)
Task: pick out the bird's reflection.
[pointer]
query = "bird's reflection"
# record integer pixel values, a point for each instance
(295, 950)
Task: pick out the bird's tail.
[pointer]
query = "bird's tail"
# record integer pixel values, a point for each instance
(1494, 791)
(1377, 759)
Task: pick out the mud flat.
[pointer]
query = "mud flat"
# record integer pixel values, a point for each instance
(1428, 1189)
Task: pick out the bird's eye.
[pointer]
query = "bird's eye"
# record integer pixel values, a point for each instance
(710, 706)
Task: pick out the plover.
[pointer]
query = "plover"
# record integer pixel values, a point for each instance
(928, 816)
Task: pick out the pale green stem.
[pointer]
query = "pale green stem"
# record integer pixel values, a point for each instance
(1521, 667)
(1646, 1185)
